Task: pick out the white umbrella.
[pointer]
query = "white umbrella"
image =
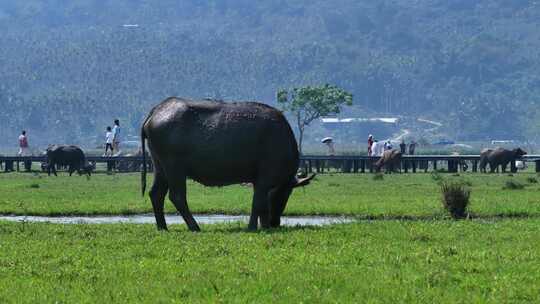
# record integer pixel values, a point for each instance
(326, 140)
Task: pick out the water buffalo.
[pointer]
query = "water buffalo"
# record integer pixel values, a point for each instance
(484, 159)
(70, 156)
(217, 143)
(391, 160)
(498, 156)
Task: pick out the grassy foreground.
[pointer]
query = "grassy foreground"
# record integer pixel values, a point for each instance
(410, 253)
(377, 262)
(404, 195)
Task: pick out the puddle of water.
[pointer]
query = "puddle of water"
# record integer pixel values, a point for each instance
(175, 219)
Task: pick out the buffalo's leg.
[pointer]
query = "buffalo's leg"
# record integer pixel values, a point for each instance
(54, 169)
(503, 167)
(260, 208)
(278, 198)
(177, 195)
(157, 196)
(52, 166)
(71, 170)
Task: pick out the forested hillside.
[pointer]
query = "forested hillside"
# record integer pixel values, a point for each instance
(70, 67)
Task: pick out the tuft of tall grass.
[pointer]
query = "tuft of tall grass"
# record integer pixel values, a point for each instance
(513, 185)
(532, 180)
(455, 198)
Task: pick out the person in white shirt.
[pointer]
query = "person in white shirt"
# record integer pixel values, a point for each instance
(109, 142)
(377, 148)
(116, 136)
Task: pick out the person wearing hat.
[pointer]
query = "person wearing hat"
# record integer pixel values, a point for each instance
(329, 142)
(369, 144)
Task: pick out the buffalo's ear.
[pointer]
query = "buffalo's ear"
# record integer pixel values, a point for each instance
(303, 181)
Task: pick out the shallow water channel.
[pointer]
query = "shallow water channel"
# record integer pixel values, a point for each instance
(175, 219)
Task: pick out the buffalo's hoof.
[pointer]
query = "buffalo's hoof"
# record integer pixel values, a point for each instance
(162, 228)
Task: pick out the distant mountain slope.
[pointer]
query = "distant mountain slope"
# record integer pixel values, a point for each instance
(69, 68)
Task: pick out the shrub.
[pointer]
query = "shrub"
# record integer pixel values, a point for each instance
(34, 186)
(513, 185)
(455, 198)
(532, 180)
(378, 176)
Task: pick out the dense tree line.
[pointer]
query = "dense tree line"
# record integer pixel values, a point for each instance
(69, 68)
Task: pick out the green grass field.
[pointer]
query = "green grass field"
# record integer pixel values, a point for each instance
(404, 248)
(396, 196)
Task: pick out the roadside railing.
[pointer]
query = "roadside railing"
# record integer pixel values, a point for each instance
(412, 163)
(309, 163)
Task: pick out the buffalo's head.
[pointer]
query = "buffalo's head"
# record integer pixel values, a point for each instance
(518, 153)
(50, 149)
(88, 168)
(280, 195)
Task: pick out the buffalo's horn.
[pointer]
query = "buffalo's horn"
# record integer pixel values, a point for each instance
(303, 181)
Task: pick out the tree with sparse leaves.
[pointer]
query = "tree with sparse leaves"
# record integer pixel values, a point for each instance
(309, 103)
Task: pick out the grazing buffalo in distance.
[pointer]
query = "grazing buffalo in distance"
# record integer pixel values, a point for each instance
(391, 160)
(70, 156)
(482, 164)
(498, 156)
(217, 143)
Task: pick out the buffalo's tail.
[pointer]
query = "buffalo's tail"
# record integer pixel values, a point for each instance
(143, 172)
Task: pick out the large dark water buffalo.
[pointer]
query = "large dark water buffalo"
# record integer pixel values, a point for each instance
(498, 157)
(216, 144)
(391, 160)
(70, 156)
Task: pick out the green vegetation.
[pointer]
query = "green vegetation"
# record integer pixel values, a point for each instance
(532, 180)
(378, 176)
(72, 67)
(513, 185)
(362, 195)
(380, 262)
(455, 198)
(309, 103)
(404, 249)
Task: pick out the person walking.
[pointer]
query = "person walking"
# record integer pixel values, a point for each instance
(23, 144)
(116, 136)
(402, 147)
(412, 147)
(377, 148)
(369, 145)
(24, 150)
(109, 142)
(329, 142)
